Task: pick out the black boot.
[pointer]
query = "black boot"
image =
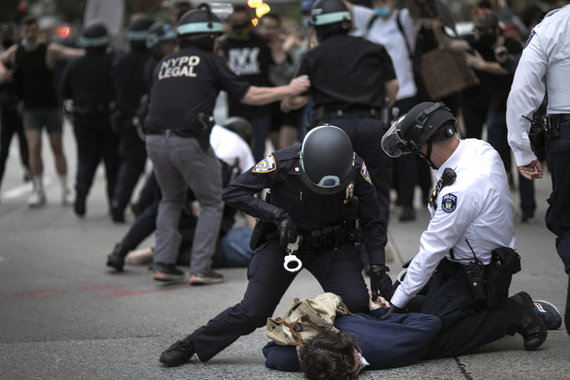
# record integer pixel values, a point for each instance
(117, 258)
(79, 205)
(531, 326)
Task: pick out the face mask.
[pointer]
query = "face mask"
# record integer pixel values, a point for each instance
(241, 32)
(488, 39)
(383, 11)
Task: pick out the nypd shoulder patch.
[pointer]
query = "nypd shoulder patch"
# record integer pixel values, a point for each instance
(266, 165)
(448, 203)
(365, 174)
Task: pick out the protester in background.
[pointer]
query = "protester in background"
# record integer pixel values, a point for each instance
(10, 117)
(32, 63)
(249, 56)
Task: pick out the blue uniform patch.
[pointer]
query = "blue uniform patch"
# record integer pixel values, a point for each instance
(266, 165)
(365, 174)
(449, 203)
(529, 38)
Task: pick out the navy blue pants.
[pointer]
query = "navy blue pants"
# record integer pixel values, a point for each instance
(558, 213)
(337, 271)
(96, 142)
(465, 323)
(132, 152)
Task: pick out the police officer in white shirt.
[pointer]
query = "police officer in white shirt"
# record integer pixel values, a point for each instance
(543, 69)
(471, 215)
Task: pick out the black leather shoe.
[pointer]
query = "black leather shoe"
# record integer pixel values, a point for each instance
(531, 326)
(116, 259)
(179, 353)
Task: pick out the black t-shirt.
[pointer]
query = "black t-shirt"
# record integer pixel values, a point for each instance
(492, 89)
(250, 59)
(186, 83)
(33, 79)
(88, 80)
(348, 72)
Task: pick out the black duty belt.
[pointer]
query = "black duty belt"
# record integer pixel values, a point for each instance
(331, 112)
(169, 132)
(556, 119)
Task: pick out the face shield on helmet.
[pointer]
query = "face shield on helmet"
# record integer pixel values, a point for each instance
(419, 126)
(326, 160)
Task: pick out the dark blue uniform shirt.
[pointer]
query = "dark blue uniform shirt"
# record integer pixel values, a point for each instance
(128, 75)
(348, 72)
(87, 80)
(280, 173)
(187, 83)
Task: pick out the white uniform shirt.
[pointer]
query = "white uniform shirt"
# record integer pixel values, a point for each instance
(231, 148)
(476, 207)
(543, 68)
(386, 32)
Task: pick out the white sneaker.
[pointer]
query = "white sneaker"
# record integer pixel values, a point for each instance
(38, 199)
(68, 198)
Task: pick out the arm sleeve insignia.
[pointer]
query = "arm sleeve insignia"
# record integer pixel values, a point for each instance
(266, 165)
(365, 174)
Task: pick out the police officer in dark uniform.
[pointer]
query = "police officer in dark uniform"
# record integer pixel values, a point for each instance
(161, 40)
(350, 79)
(186, 84)
(319, 192)
(128, 75)
(88, 82)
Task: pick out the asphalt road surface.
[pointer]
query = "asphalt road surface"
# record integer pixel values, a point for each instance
(63, 315)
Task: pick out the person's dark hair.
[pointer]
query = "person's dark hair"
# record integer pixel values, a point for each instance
(329, 355)
(240, 9)
(30, 20)
(532, 14)
(273, 16)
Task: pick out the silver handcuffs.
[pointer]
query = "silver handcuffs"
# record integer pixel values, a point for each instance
(291, 262)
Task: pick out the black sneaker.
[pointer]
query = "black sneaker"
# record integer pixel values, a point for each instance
(179, 353)
(206, 278)
(531, 326)
(167, 272)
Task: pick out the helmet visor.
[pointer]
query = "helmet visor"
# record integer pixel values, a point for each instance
(392, 144)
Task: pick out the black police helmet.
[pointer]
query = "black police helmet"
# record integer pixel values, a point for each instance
(426, 122)
(240, 126)
(326, 160)
(158, 32)
(326, 12)
(199, 27)
(138, 29)
(330, 17)
(93, 35)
